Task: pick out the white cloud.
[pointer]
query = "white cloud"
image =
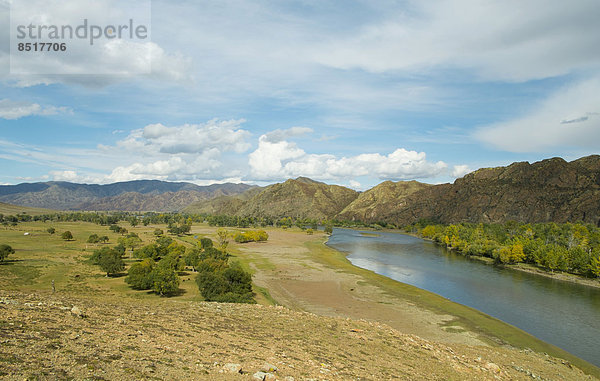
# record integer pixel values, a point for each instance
(279, 135)
(107, 60)
(283, 159)
(18, 109)
(502, 40)
(460, 170)
(569, 117)
(187, 152)
(71, 176)
(354, 184)
(188, 138)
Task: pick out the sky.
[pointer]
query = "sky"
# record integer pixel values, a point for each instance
(346, 92)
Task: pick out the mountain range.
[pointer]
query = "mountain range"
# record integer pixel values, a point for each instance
(140, 195)
(548, 190)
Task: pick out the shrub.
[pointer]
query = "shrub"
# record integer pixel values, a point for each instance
(251, 236)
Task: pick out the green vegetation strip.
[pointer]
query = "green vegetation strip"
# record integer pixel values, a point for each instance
(490, 329)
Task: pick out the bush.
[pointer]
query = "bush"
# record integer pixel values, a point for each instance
(220, 283)
(67, 236)
(251, 236)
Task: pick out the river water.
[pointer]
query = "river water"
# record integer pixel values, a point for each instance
(561, 313)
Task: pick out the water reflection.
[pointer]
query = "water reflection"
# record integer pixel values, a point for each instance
(564, 314)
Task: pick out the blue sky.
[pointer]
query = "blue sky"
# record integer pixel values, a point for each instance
(346, 92)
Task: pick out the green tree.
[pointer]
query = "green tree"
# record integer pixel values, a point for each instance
(67, 236)
(165, 281)
(94, 238)
(110, 261)
(205, 243)
(5, 251)
(130, 241)
(158, 232)
(192, 256)
(222, 236)
(51, 230)
(148, 251)
(139, 275)
(595, 265)
(329, 229)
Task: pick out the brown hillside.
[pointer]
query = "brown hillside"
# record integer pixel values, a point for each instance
(223, 205)
(379, 200)
(299, 198)
(549, 190)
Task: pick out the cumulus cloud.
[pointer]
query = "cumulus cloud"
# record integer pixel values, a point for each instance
(188, 138)
(186, 152)
(284, 159)
(71, 176)
(569, 117)
(18, 109)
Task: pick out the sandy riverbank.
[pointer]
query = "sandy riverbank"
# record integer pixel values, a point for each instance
(302, 273)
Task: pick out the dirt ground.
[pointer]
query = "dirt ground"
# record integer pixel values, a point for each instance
(47, 336)
(296, 279)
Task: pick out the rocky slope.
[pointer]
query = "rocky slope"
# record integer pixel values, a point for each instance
(151, 195)
(57, 336)
(379, 200)
(549, 190)
(297, 198)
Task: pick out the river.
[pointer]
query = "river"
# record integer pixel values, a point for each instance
(561, 313)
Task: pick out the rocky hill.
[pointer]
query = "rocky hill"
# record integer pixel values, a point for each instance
(223, 205)
(548, 190)
(151, 195)
(58, 336)
(379, 200)
(297, 198)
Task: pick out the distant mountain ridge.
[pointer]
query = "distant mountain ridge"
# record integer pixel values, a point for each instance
(138, 195)
(548, 190)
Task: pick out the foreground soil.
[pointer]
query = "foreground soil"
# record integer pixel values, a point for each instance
(57, 336)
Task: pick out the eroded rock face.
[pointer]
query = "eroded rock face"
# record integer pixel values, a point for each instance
(549, 190)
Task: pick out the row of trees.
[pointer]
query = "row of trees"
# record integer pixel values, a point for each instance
(573, 248)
